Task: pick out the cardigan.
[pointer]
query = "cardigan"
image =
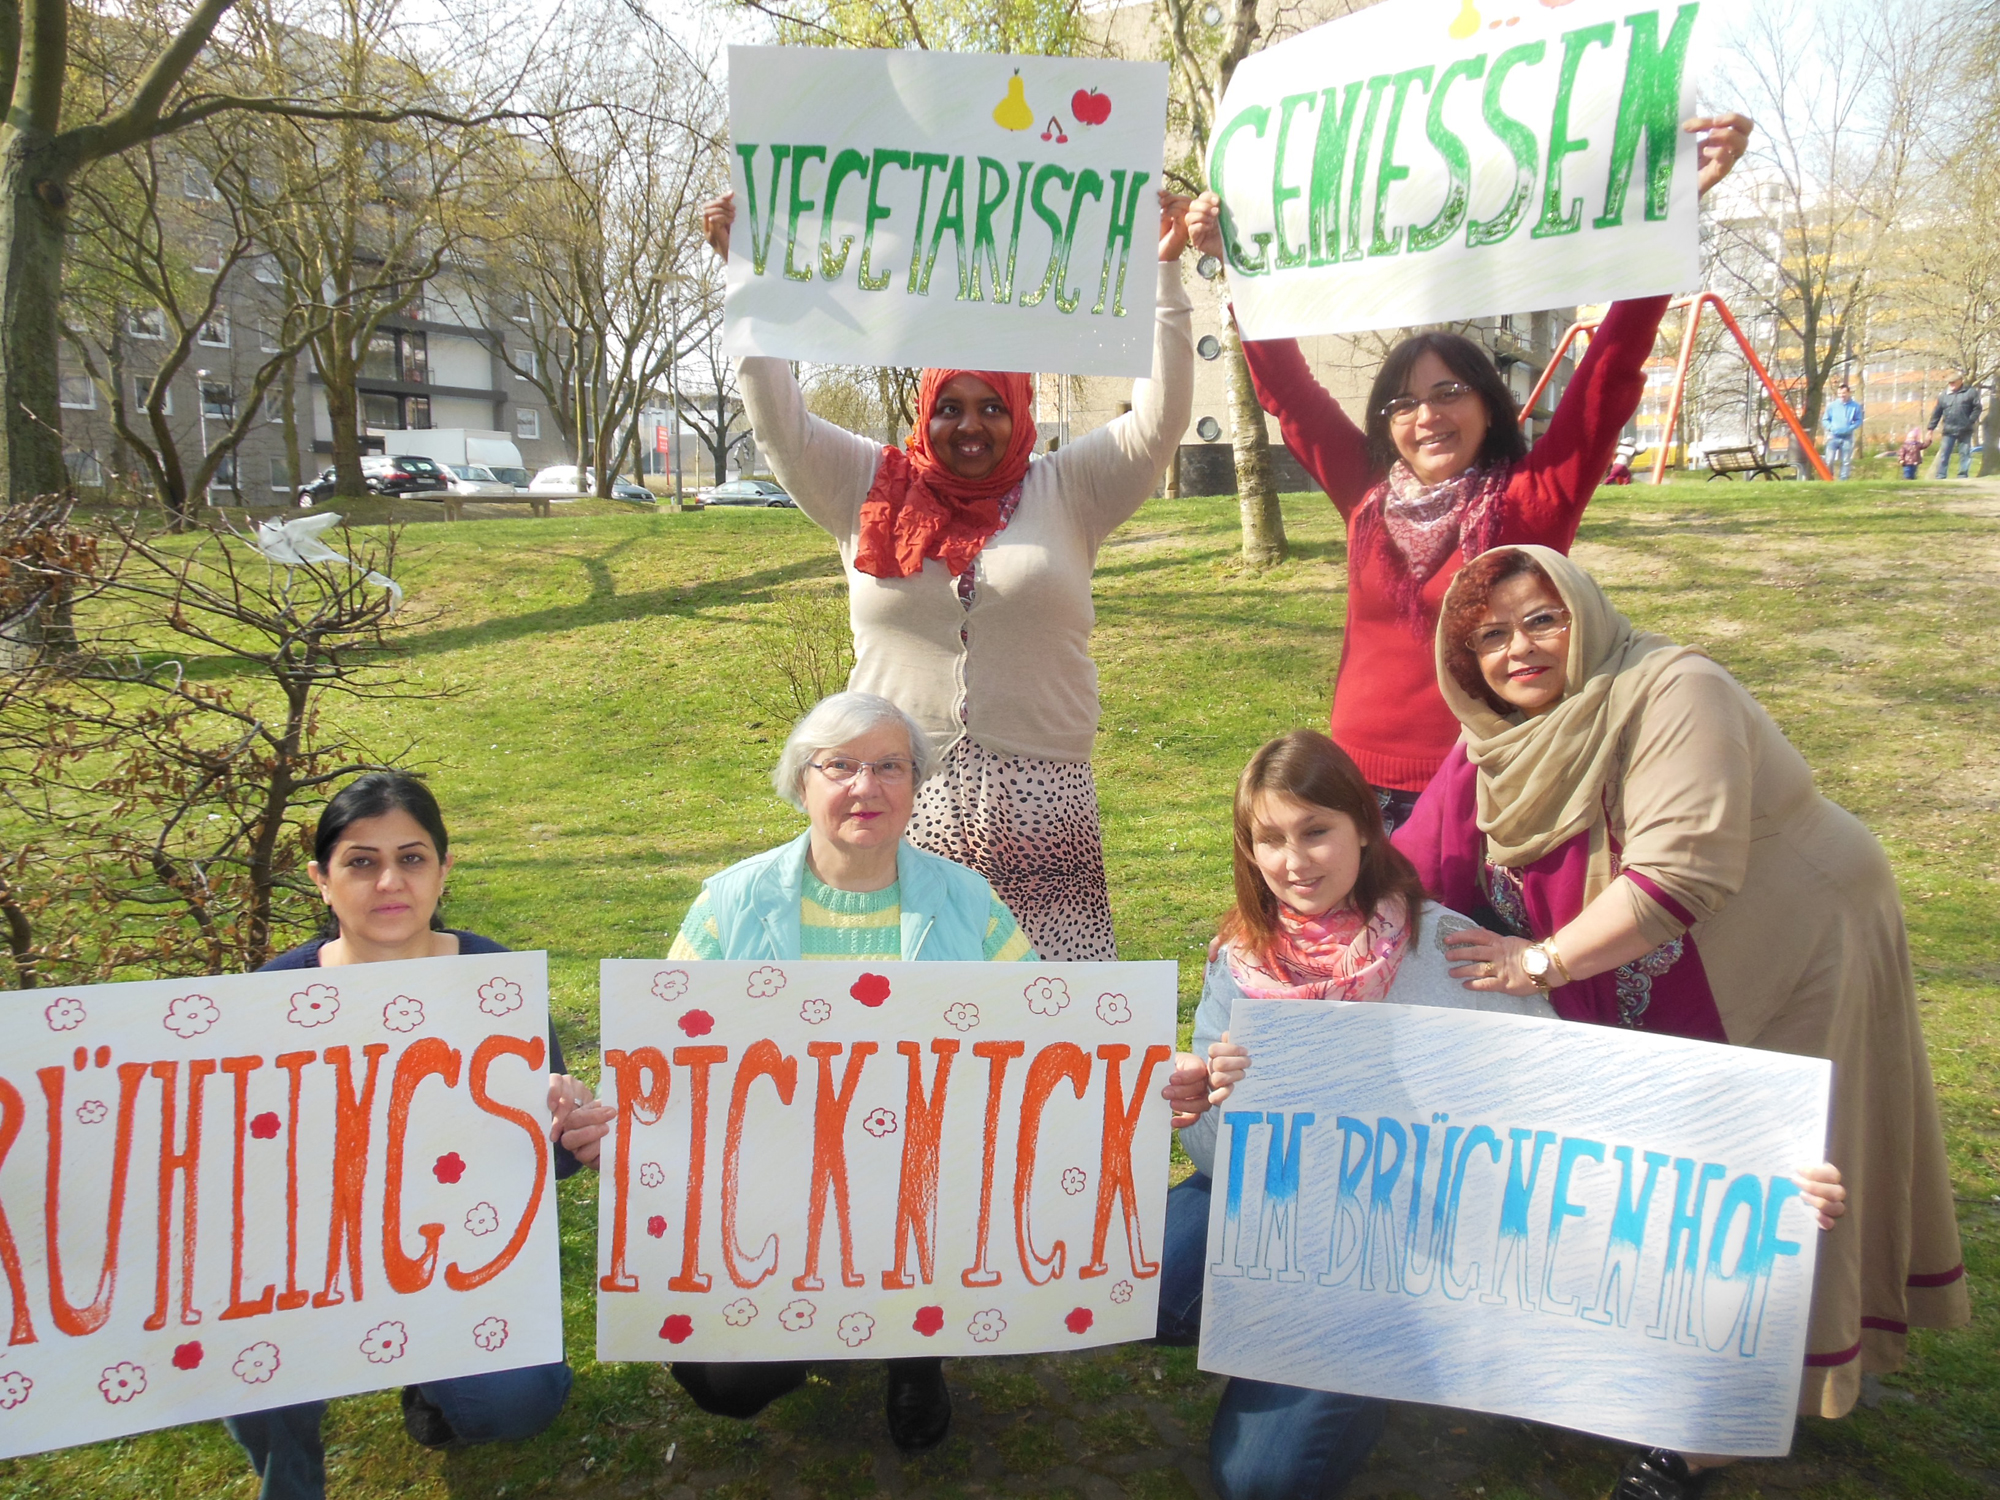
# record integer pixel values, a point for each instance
(1013, 672)
(306, 956)
(1387, 712)
(857, 926)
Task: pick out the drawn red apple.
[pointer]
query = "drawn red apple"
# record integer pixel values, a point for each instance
(1090, 107)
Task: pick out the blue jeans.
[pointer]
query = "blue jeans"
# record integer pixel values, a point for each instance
(1962, 441)
(1840, 449)
(286, 1450)
(1269, 1442)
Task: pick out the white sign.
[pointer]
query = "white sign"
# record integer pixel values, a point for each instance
(1573, 1224)
(822, 1160)
(230, 1194)
(1430, 160)
(967, 210)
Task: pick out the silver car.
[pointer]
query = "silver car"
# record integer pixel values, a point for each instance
(470, 481)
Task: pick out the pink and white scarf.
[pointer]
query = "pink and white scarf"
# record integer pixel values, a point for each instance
(1417, 527)
(1334, 956)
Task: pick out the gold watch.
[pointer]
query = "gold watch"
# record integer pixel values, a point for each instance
(1543, 963)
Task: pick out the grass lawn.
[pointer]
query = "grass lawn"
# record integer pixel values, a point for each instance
(618, 702)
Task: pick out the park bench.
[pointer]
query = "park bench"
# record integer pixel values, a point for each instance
(454, 505)
(1727, 463)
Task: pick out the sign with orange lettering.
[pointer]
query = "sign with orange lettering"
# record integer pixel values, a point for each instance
(230, 1194)
(834, 1160)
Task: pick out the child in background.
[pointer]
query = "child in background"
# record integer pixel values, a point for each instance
(1912, 453)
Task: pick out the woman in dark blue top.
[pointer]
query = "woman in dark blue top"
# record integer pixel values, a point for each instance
(380, 857)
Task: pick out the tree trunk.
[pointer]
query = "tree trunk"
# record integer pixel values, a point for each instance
(343, 404)
(287, 394)
(1263, 522)
(31, 251)
(1989, 434)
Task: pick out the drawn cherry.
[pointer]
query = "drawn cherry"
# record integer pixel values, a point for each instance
(1079, 1320)
(187, 1356)
(697, 1023)
(929, 1320)
(678, 1328)
(449, 1167)
(871, 989)
(1054, 132)
(657, 1226)
(1090, 107)
(264, 1126)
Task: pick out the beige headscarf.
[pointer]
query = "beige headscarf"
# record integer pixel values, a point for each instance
(1541, 780)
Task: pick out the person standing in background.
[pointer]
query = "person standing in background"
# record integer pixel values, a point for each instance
(1842, 422)
(1912, 453)
(1957, 412)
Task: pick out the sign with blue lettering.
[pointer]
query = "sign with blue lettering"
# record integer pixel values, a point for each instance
(1429, 160)
(1574, 1224)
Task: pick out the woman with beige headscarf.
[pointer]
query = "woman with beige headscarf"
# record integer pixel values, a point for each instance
(1649, 851)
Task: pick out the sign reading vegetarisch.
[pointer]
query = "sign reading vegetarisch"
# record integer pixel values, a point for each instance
(822, 1160)
(927, 208)
(230, 1194)
(1574, 1224)
(1427, 160)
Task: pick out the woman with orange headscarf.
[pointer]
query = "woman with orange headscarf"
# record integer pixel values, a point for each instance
(968, 565)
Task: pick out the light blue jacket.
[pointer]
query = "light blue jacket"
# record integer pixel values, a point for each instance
(755, 904)
(1842, 418)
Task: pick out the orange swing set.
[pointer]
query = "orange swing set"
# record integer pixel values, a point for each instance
(1694, 306)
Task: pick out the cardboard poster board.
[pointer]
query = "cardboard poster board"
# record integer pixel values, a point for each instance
(970, 210)
(1573, 1224)
(1429, 160)
(818, 1160)
(230, 1194)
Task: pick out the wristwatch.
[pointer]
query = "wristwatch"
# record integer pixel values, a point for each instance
(1543, 963)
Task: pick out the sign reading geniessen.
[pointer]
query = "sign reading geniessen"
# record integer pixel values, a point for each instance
(820, 1160)
(229, 1194)
(925, 208)
(1574, 1224)
(1427, 160)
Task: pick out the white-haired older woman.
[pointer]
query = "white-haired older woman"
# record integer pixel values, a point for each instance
(849, 887)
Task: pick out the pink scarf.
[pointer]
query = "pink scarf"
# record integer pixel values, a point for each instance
(1417, 527)
(1335, 956)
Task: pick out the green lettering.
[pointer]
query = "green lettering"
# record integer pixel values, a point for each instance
(1255, 117)
(760, 239)
(1354, 186)
(1554, 221)
(929, 161)
(876, 213)
(1057, 257)
(983, 243)
(951, 215)
(1088, 185)
(1280, 194)
(1520, 144)
(1649, 103)
(1387, 173)
(800, 156)
(1123, 222)
(850, 163)
(1329, 165)
(1458, 192)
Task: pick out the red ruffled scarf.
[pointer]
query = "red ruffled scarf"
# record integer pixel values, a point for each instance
(1413, 529)
(917, 508)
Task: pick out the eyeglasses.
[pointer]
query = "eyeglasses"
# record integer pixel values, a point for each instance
(840, 770)
(1445, 393)
(1541, 627)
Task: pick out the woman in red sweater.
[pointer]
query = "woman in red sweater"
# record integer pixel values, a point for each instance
(1440, 474)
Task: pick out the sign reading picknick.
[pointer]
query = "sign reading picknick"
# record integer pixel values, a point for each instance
(1428, 160)
(827, 1160)
(1580, 1225)
(230, 1194)
(961, 209)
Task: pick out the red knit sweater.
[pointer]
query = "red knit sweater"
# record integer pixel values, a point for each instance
(1387, 711)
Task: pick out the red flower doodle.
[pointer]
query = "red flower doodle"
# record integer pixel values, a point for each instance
(871, 989)
(449, 1167)
(1079, 1320)
(657, 1226)
(264, 1126)
(678, 1328)
(697, 1023)
(187, 1356)
(929, 1320)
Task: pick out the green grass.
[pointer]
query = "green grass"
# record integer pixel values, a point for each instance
(616, 710)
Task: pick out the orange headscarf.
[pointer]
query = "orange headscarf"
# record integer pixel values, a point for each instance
(917, 508)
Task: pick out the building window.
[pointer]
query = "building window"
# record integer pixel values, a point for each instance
(77, 392)
(196, 184)
(85, 472)
(281, 472)
(378, 410)
(210, 256)
(380, 362)
(526, 368)
(142, 392)
(218, 401)
(269, 335)
(146, 323)
(224, 477)
(417, 359)
(527, 423)
(522, 308)
(274, 406)
(215, 332)
(266, 270)
(417, 412)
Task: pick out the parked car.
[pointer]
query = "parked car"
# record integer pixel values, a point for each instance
(470, 481)
(748, 492)
(404, 474)
(625, 489)
(563, 479)
(316, 490)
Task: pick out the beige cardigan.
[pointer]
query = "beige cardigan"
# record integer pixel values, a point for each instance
(1020, 672)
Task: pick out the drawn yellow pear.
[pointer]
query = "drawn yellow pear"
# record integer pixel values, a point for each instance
(1012, 112)
(1467, 22)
